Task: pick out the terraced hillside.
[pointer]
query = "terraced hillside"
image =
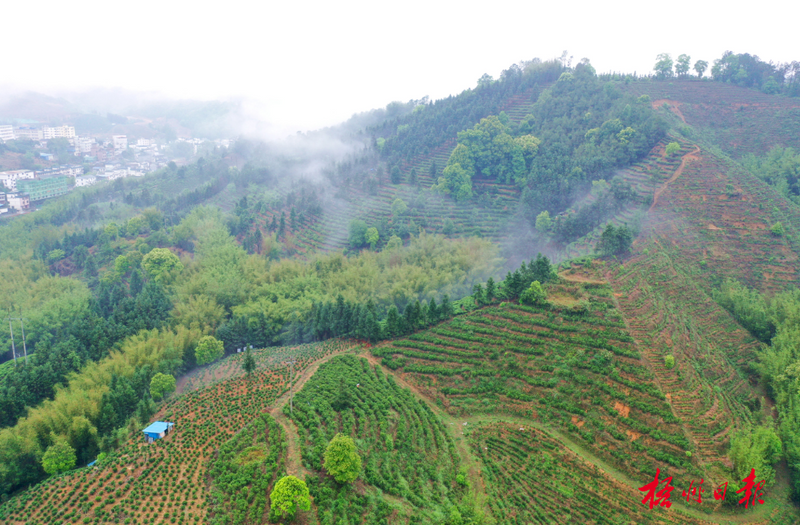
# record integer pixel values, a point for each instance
(165, 482)
(736, 119)
(572, 365)
(496, 202)
(533, 478)
(410, 462)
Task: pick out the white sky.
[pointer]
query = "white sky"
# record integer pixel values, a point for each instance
(311, 64)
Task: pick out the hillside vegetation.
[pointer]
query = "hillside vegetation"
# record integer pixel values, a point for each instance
(661, 339)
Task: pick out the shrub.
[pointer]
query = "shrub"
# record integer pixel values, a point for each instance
(777, 229)
(669, 361)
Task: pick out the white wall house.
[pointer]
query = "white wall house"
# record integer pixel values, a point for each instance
(9, 178)
(120, 142)
(19, 201)
(85, 180)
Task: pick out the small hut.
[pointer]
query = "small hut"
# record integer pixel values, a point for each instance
(157, 430)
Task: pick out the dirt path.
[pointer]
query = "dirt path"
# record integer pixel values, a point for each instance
(294, 463)
(673, 106)
(684, 161)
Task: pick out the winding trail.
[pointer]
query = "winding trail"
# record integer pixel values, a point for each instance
(691, 156)
(294, 463)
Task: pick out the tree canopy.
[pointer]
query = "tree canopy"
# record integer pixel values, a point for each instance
(59, 457)
(208, 350)
(342, 460)
(289, 495)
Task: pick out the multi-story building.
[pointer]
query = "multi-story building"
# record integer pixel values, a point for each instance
(68, 171)
(19, 201)
(85, 180)
(67, 132)
(9, 178)
(72, 170)
(7, 133)
(28, 133)
(39, 189)
(83, 145)
(120, 143)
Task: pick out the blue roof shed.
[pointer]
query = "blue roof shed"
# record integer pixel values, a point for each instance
(157, 430)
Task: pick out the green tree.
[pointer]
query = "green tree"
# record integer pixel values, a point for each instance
(134, 226)
(289, 495)
(208, 350)
(412, 177)
(669, 361)
(399, 208)
(358, 233)
(543, 222)
(448, 227)
(491, 290)
(342, 460)
(534, 295)
(153, 218)
(55, 256)
(615, 241)
(756, 448)
(371, 236)
(700, 67)
(777, 229)
(396, 175)
(90, 267)
(112, 231)
(121, 265)
(59, 457)
(79, 255)
(249, 362)
(162, 265)
(455, 181)
(672, 149)
(682, 65)
(663, 65)
(161, 385)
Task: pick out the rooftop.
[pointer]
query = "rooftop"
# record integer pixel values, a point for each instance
(158, 427)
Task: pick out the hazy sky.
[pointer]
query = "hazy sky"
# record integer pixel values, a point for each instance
(311, 64)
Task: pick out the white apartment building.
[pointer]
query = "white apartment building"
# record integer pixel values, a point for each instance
(6, 133)
(67, 132)
(143, 142)
(86, 180)
(9, 178)
(120, 142)
(28, 133)
(83, 145)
